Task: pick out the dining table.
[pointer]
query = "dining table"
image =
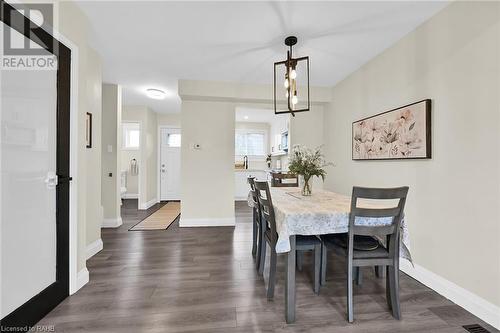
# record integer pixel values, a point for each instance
(323, 212)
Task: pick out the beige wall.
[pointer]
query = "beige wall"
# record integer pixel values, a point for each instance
(111, 163)
(169, 119)
(148, 162)
(306, 129)
(74, 25)
(454, 199)
(93, 155)
(207, 174)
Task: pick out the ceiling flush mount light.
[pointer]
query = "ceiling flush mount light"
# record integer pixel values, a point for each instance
(155, 93)
(291, 71)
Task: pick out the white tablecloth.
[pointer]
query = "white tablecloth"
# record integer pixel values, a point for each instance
(323, 212)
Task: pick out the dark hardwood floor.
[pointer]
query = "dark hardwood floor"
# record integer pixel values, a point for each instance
(204, 280)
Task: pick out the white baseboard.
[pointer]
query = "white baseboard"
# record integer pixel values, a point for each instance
(130, 196)
(148, 204)
(93, 248)
(481, 308)
(82, 279)
(217, 222)
(112, 223)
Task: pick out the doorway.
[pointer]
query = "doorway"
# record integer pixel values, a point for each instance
(35, 179)
(170, 163)
(130, 155)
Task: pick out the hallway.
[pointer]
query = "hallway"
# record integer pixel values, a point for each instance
(203, 280)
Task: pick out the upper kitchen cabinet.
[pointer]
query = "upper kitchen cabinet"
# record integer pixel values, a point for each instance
(279, 139)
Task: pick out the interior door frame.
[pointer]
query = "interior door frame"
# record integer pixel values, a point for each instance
(39, 305)
(158, 172)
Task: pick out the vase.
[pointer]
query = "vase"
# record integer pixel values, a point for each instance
(307, 186)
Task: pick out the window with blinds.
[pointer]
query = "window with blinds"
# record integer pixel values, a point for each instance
(250, 143)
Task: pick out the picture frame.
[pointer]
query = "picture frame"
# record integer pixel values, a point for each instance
(88, 130)
(398, 134)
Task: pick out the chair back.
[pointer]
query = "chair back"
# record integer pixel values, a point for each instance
(391, 231)
(255, 201)
(266, 206)
(277, 180)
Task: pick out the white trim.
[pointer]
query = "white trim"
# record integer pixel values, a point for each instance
(130, 196)
(93, 248)
(81, 279)
(481, 308)
(112, 223)
(148, 204)
(217, 222)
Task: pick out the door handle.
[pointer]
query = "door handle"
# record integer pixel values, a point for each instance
(51, 180)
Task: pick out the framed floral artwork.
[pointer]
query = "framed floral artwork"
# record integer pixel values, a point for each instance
(402, 133)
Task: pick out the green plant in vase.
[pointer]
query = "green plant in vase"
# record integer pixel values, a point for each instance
(307, 163)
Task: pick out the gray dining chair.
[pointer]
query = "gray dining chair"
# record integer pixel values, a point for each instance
(387, 255)
(257, 229)
(303, 243)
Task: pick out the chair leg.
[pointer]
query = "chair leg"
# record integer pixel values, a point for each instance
(300, 260)
(393, 275)
(272, 275)
(262, 257)
(359, 276)
(317, 268)
(388, 289)
(324, 260)
(254, 235)
(350, 314)
(259, 249)
(379, 271)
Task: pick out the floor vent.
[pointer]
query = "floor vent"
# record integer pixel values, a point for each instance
(475, 328)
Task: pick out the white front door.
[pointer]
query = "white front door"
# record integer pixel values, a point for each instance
(170, 164)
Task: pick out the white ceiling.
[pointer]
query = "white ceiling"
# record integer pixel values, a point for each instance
(154, 43)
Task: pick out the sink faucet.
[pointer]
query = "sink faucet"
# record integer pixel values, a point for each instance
(245, 161)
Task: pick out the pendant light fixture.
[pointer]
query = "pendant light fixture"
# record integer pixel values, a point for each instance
(287, 76)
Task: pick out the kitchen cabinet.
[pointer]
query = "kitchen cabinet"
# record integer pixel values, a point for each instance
(241, 187)
(279, 126)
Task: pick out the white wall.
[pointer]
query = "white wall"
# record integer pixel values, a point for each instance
(111, 161)
(454, 199)
(148, 161)
(207, 174)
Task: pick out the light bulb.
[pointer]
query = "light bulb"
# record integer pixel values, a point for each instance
(295, 100)
(286, 84)
(293, 74)
(286, 94)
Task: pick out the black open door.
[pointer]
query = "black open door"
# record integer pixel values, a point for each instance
(34, 169)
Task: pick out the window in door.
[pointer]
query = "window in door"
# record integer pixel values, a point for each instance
(174, 140)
